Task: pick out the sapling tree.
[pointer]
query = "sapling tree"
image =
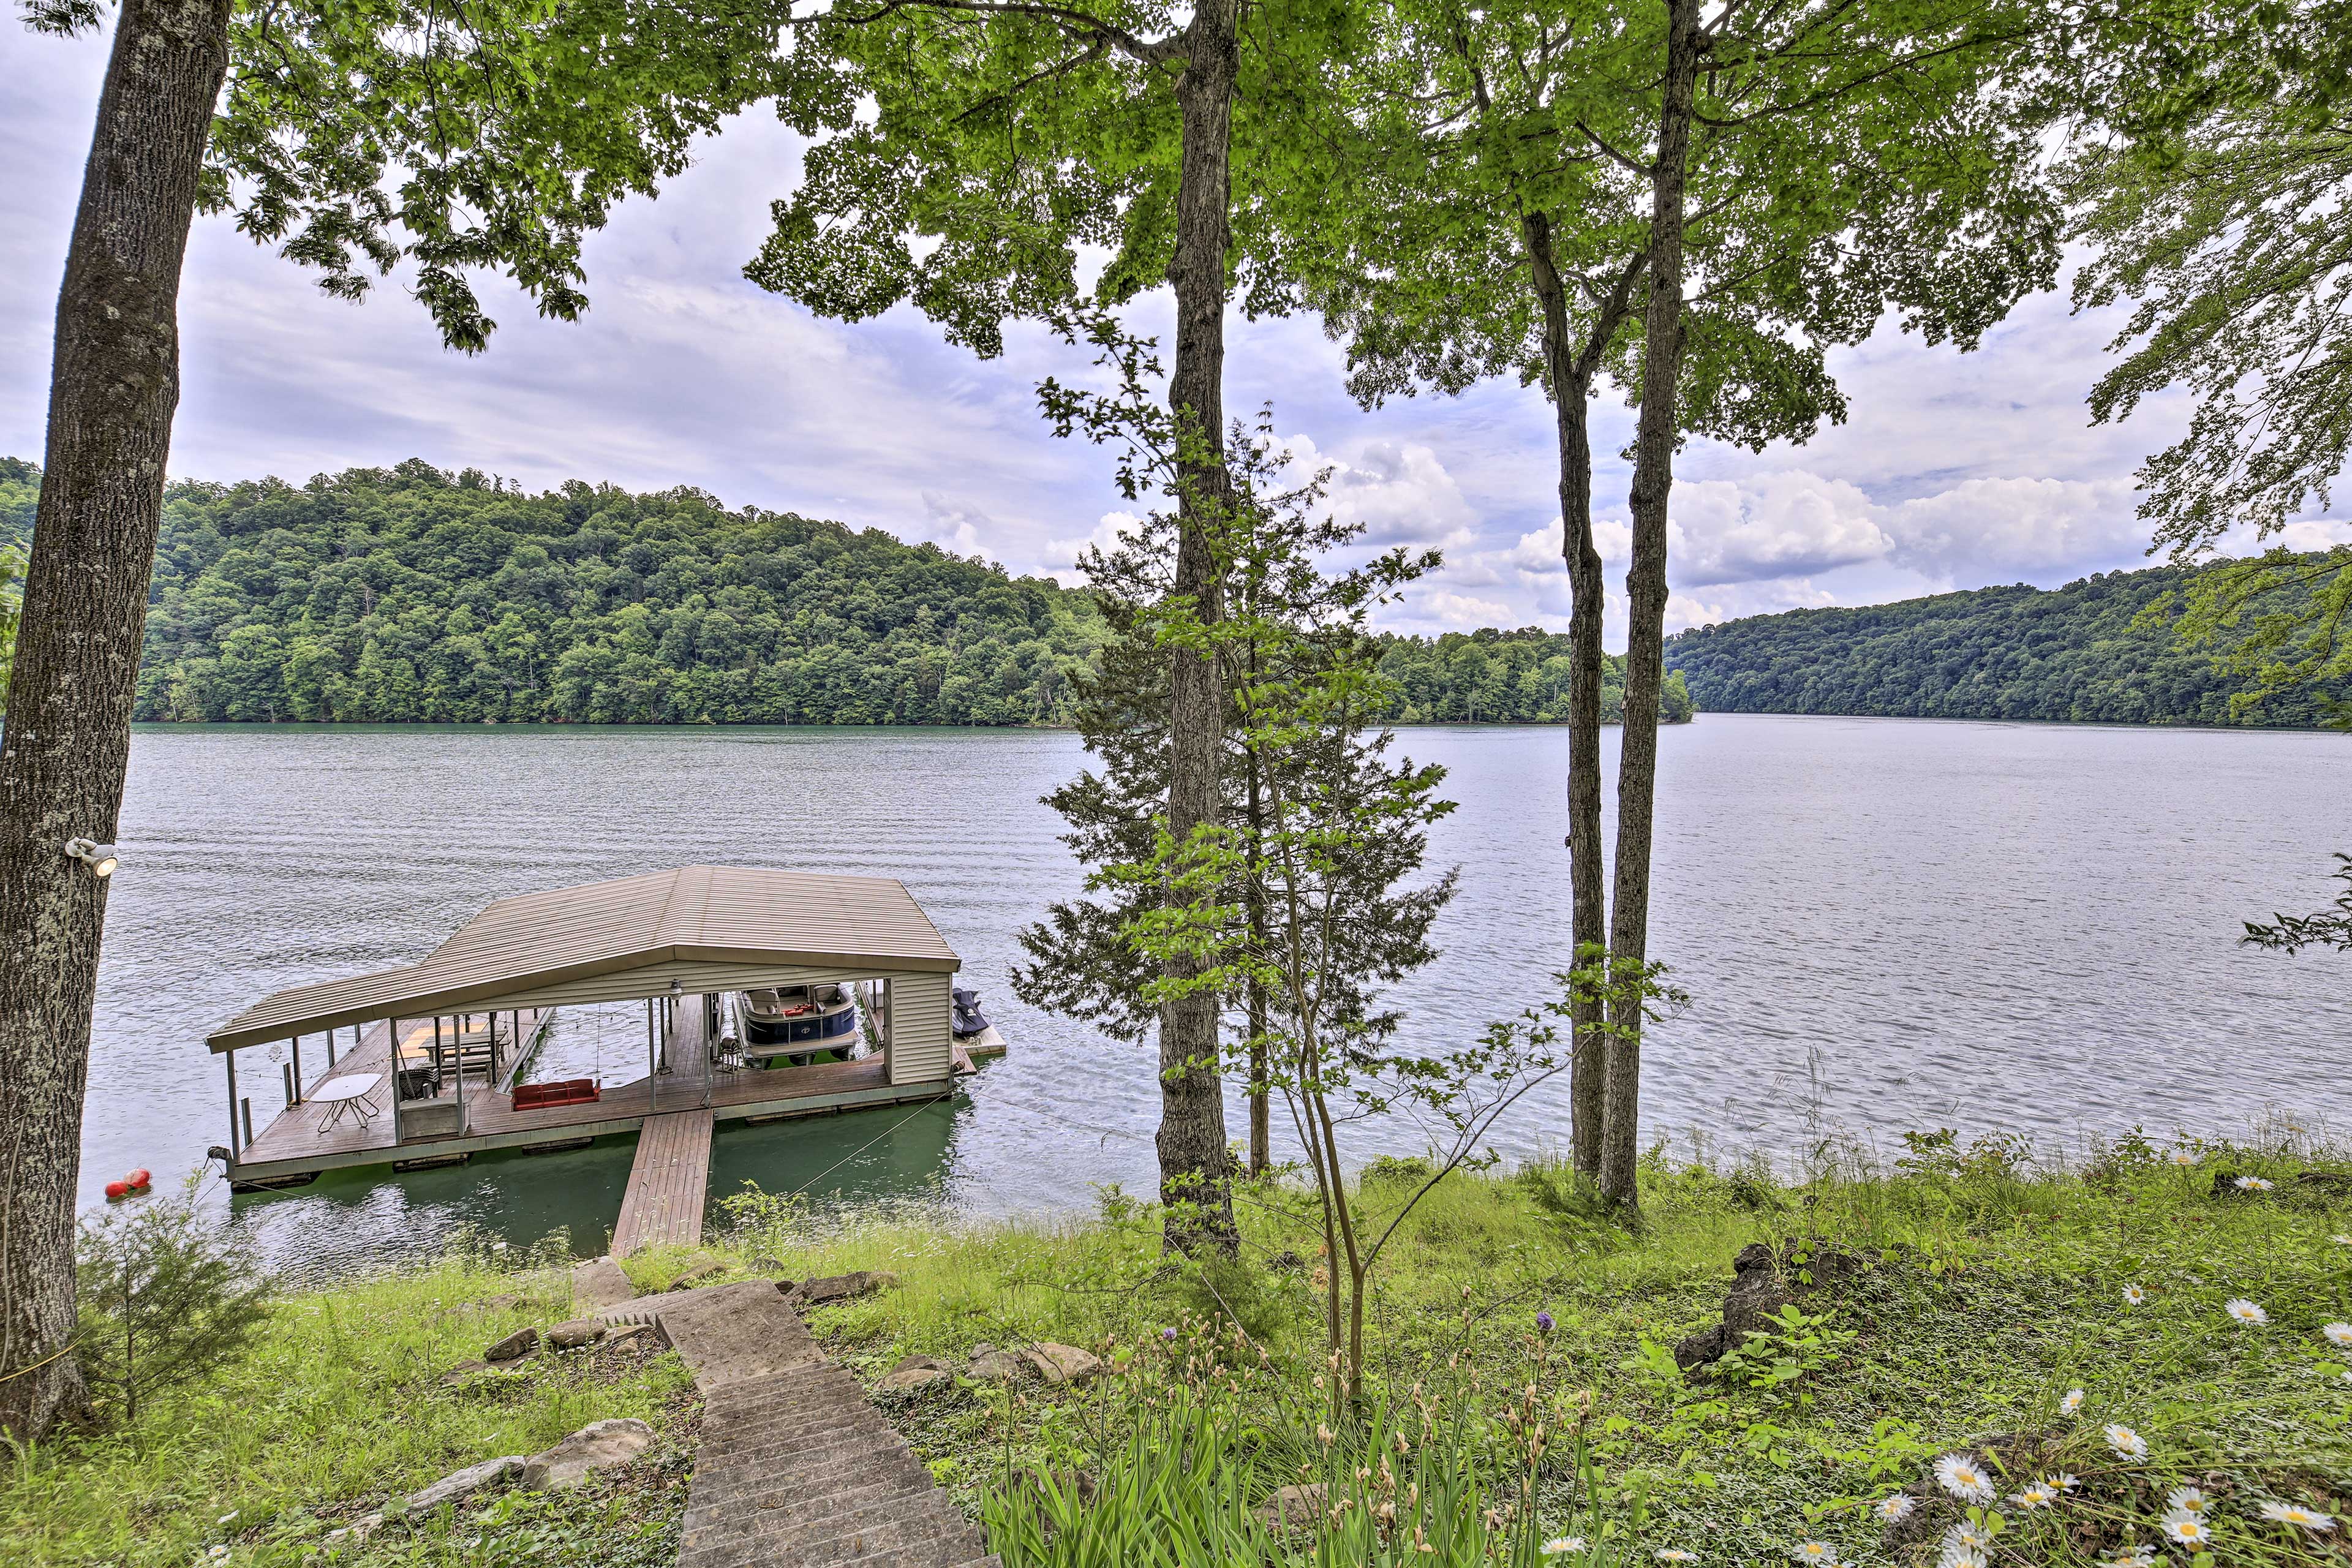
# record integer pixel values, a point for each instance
(166, 1297)
(357, 139)
(1323, 899)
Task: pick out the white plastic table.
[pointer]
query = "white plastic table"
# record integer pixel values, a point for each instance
(347, 1097)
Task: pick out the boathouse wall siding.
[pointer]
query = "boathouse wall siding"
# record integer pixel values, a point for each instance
(919, 1027)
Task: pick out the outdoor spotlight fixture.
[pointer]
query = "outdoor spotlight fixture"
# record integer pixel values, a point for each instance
(98, 858)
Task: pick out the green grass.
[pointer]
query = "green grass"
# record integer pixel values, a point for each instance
(1995, 1288)
(338, 1410)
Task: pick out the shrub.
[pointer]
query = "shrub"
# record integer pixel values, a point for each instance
(167, 1297)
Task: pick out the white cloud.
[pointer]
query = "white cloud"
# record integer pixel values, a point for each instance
(1979, 529)
(1399, 490)
(1462, 611)
(1768, 525)
(1111, 530)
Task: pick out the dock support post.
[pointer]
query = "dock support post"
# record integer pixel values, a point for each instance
(234, 1146)
(245, 1105)
(331, 1050)
(295, 1099)
(287, 1068)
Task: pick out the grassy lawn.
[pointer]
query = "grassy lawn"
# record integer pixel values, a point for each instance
(1988, 1292)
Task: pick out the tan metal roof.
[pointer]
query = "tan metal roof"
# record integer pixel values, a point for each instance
(697, 914)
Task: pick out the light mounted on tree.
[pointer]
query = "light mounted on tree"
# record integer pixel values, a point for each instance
(100, 857)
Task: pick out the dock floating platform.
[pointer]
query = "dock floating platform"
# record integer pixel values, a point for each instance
(675, 940)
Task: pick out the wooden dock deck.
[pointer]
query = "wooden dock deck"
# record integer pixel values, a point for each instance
(668, 1184)
(297, 1141)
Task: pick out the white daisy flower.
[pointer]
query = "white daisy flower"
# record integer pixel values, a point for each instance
(2184, 1157)
(1964, 1546)
(1815, 1555)
(2073, 1402)
(2067, 1483)
(2310, 1519)
(1960, 1476)
(2041, 1494)
(2341, 1240)
(2127, 1442)
(2252, 1185)
(1675, 1554)
(2245, 1311)
(2188, 1499)
(2137, 1557)
(1560, 1545)
(2134, 1295)
(2338, 1334)
(2189, 1530)
(1899, 1506)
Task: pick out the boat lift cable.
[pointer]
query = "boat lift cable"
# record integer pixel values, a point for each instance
(861, 1148)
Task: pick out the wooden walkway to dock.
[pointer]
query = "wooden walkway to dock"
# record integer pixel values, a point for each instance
(797, 1469)
(668, 1184)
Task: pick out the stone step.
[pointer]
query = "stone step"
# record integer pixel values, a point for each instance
(896, 1480)
(902, 1514)
(928, 1537)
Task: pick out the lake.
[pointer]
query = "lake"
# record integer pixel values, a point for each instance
(1885, 924)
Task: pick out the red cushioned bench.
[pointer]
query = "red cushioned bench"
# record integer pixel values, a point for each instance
(569, 1091)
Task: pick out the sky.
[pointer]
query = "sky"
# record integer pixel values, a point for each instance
(1951, 471)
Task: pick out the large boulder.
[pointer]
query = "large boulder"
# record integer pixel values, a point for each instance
(599, 1446)
(514, 1347)
(459, 1485)
(915, 1371)
(1062, 1364)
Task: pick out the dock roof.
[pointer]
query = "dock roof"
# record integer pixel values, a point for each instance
(695, 928)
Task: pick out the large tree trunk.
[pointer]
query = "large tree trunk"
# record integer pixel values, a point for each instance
(1193, 1161)
(114, 382)
(1570, 375)
(1646, 588)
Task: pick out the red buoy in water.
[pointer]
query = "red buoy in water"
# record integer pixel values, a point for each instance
(117, 1191)
(137, 1179)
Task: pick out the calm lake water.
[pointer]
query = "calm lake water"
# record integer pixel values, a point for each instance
(1885, 924)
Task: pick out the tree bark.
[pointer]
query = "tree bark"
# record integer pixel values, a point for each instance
(1194, 1166)
(1261, 1118)
(1570, 376)
(1646, 589)
(113, 383)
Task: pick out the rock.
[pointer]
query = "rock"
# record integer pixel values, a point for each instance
(359, 1528)
(571, 1336)
(1062, 1364)
(514, 1347)
(505, 1303)
(464, 1371)
(907, 1379)
(765, 1265)
(459, 1485)
(599, 1446)
(1294, 1508)
(625, 1333)
(1762, 1283)
(999, 1366)
(836, 1287)
(700, 1272)
(599, 1283)
(908, 1364)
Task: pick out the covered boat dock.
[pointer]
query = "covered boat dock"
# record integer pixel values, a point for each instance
(425, 1064)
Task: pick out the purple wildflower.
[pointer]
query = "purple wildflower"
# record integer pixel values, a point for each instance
(1168, 1333)
(1543, 1322)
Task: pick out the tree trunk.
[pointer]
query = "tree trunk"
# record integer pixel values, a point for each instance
(113, 383)
(1646, 588)
(1570, 375)
(1193, 1161)
(1261, 1119)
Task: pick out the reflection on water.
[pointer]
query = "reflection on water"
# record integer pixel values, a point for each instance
(1885, 923)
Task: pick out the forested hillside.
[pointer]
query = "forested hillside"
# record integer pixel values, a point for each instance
(408, 594)
(1492, 677)
(2071, 653)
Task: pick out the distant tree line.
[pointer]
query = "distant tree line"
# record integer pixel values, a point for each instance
(2101, 650)
(1492, 677)
(412, 596)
